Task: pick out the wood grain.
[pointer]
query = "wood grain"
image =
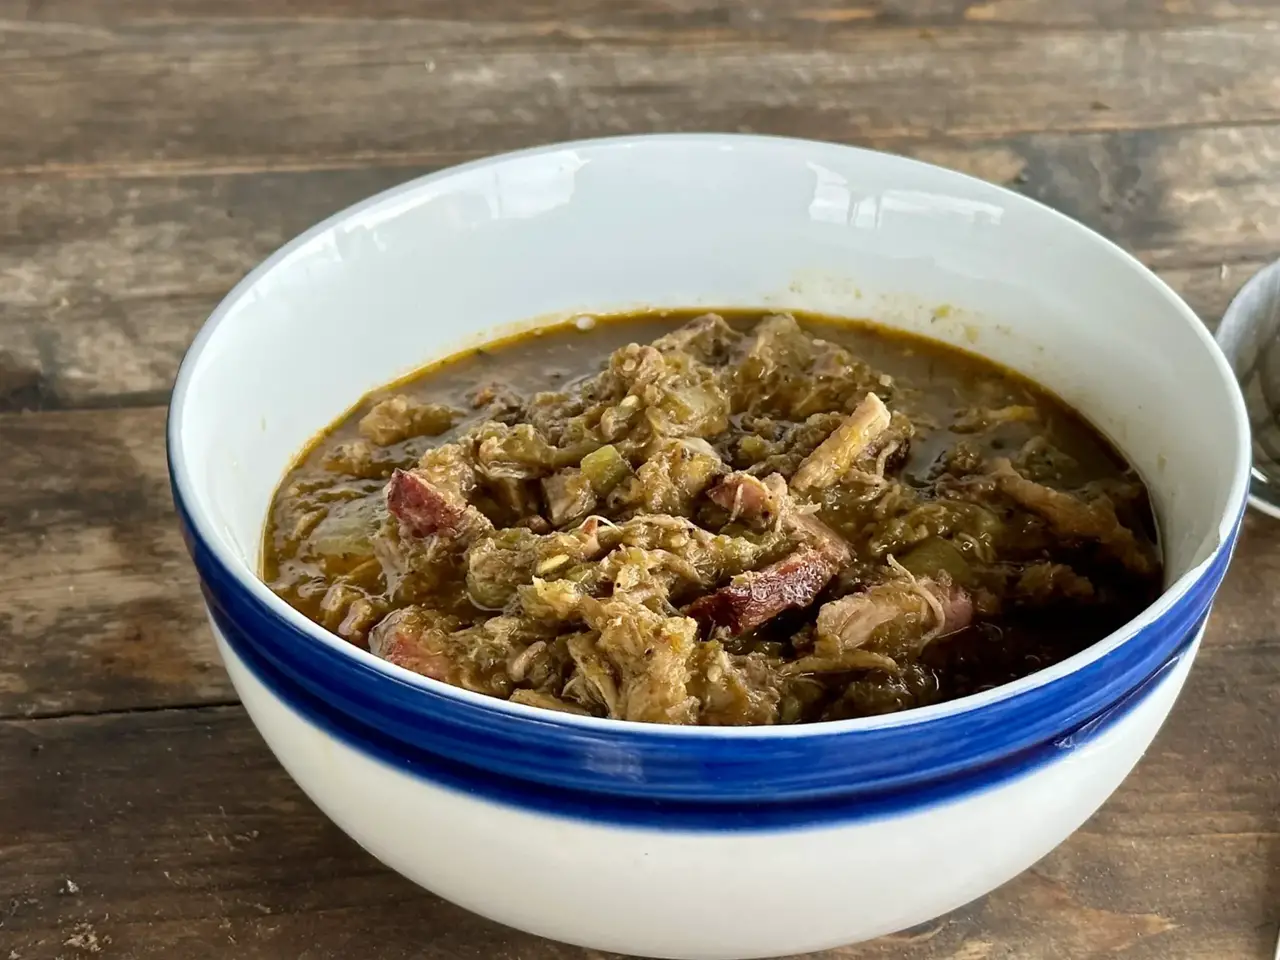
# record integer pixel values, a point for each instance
(152, 151)
(658, 14)
(99, 607)
(104, 282)
(229, 859)
(173, 96)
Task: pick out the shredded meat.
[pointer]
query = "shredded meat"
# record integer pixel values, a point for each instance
(892, 620)
(750, 499)
(569, 496)
(724, 526)
(851, 439)
(731, 687)
(1069, 516)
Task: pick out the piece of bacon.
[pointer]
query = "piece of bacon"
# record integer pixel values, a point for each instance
(424, 510)
(407, 638)
(753, 598)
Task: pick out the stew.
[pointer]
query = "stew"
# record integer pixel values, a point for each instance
(736, 518)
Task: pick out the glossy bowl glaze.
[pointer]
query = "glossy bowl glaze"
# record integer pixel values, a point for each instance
(696, 842)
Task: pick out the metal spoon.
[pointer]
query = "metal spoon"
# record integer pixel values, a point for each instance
(1249, 335)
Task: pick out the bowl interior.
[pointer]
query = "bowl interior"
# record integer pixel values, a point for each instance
(424, 269)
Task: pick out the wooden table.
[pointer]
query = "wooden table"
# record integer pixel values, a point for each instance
(151, 152)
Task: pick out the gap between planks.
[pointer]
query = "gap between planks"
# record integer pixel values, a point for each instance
(227, 704)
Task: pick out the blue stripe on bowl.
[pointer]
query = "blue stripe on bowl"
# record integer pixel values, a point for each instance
(671, 815)
(826, 762)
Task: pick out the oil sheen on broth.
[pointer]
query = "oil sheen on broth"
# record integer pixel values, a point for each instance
(732, 518)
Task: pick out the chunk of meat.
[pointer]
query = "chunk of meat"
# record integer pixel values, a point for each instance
(714, 556)
(515, 503)
(555, 601)
(481, 658)
(895, 619)
(656, 578)
(837, 453)
(399, 418)
(707, 337)
(514, 453)
(635, 366)
(424, 510)
(634, 662)
(502, 561)
(569, 496)
(1069, 516)
(593, 682)
(498, 564)
(689, 403)
(450, 468)
(736, 688)
(833, 378)
(649, 653)
(768, 503)
(417, 639)
(758, 596)
(554, 413)
(675, 473)
(805, 526)
(772, 365)
(357, 458)
(349, 612)
(747, 498)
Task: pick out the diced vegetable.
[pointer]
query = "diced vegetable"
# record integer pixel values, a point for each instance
(605, 468)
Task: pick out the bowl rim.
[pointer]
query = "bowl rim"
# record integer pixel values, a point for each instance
(203, 527)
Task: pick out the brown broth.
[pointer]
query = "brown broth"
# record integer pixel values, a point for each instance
(948, 381)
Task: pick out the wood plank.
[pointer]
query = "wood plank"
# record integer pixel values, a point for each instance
(1129, 13)
(104, 282)
(659, 14)
(214, 853)
(1175, 197)
(173, 96)
(99, 607)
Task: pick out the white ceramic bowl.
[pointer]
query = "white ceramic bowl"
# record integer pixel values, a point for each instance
(701, 842)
